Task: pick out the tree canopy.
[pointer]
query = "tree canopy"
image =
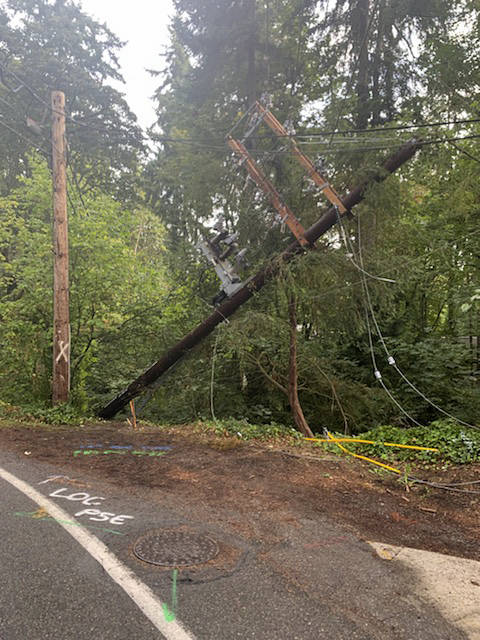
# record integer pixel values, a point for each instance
(47, 46)
(354, 79)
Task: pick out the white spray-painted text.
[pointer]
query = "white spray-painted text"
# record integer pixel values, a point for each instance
(88, 500)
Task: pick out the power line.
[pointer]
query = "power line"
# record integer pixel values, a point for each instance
(401, 265)
(44, 102)
(391, 360)
(377, 374)
(405, 127)
(331, 149)
(202, 144)
(213, 147)
(465, 153)
(21, 135)
(47, 156)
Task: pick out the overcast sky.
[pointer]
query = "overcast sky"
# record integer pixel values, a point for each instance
(144, 25)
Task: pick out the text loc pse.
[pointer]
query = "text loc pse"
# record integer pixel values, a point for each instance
(93, 514)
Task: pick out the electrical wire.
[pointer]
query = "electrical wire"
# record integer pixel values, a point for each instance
(47, 155)
(34, 94)
(22, 136)
(409, 478)
(399, 266)
(436, 485)
(403, 127)
(326, 293)
(212, 146)
(465, 153)
(350, 256)
(376, 371)
(390, 358)
(378, 375)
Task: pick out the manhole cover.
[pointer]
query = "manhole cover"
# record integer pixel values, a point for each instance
(175, 548)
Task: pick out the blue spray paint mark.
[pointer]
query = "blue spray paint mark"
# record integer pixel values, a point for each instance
(125, 446)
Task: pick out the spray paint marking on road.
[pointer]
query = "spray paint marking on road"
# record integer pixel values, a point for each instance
(127, 446)
(139, 592)
(87, 452)
(94, 514)
(41, 514)
(170, 613)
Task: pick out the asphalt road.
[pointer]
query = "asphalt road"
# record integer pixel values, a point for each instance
(322, 582)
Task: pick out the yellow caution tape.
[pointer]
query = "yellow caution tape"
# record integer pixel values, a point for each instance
(337, 441)
(387, 444)
(355, 455)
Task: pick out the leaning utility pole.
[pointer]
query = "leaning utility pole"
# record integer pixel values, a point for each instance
(61, 313)
(254, 284)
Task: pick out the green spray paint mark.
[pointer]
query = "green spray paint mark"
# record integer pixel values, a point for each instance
(149, 453)
(31, 514)
(170, 615)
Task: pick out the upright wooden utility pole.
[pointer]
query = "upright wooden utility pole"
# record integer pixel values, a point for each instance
(61, 313)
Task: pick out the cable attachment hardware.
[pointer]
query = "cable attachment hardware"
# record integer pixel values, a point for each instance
(266, 100)
(219, 250)
(377, 374)
(289, 128)
(391, 360)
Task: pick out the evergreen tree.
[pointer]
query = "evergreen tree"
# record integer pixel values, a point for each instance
(50, 45)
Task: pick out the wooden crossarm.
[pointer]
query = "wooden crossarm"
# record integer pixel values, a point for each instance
(304, 160)
(267, 187)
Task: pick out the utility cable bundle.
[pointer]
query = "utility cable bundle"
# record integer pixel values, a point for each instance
(370, 313)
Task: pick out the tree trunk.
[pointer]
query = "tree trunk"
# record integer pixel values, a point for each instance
(359, 31)
(295, 405)
(251, 46)
(377, 100)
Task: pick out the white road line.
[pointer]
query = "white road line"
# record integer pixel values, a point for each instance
(142, 595)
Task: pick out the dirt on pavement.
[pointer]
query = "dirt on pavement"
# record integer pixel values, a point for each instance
(266, 483)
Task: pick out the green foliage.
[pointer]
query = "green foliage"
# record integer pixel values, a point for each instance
(50, 45)
(117, 292)
(62, 414)
(137, 282)
(456, 444)
(245, 430)
(418, 229)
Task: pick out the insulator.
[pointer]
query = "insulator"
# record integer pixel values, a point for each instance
(219, 224)
(288, 126)
(266, 100)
